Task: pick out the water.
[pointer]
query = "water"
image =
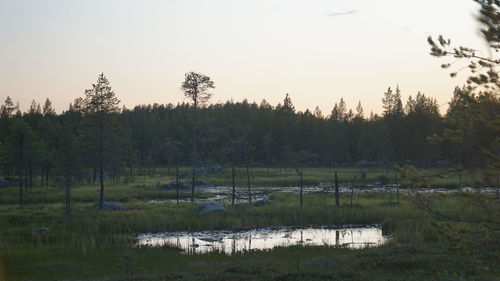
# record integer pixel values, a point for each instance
(264, 239)
(222, 194)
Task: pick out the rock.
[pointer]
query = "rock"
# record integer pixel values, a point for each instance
(206, 171)
(210, 208)
(183, 185)
(201, 184)
(172, 186)
(108, 206)
(6, 183)
(366, 163)
(42, 229)
(262, 202)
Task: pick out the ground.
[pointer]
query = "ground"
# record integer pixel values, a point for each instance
(98, 245)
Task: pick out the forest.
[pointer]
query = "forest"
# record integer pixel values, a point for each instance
(240, 190)
(414, 133)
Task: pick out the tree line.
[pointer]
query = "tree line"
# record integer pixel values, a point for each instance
(32, 143)
(95, 140)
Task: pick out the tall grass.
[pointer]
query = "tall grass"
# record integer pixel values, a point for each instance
(144, 187)
(94, 244)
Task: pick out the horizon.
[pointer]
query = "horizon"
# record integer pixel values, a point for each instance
(325, 114)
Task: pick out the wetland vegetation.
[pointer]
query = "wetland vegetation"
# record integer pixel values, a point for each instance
(247, 191)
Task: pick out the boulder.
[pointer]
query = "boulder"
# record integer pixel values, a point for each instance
(42, 229)
(262, 202)
(210, 208)
(108, 206)
(183, 185)
(201, 184)
(6, 183)
(172, 186)
(206, 171)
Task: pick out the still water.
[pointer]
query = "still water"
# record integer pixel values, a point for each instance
(264, 239)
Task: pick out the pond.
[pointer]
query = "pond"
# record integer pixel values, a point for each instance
(222, 194)
(229, 242)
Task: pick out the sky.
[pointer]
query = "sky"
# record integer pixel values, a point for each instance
(316, 50)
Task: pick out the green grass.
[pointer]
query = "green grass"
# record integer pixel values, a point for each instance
(315, 175)
(294, 263)
(98, 245)
(144, 187)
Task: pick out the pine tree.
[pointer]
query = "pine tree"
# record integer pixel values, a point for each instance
(47, 108)
(100, 102)
(196, 87)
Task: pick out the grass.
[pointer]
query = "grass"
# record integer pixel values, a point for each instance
(316, 175)
(294, 263)
(99, 245)
(142, 187)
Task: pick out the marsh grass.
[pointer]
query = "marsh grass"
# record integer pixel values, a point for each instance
(93, 244)
(144, 187)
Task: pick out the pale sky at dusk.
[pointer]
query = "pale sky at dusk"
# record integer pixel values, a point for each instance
(316, 50)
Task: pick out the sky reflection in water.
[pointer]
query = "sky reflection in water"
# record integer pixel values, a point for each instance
(264, 239)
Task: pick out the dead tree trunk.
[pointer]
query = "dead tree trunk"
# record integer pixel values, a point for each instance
(31, 176)
(248, 185)
(234, 186)
(301, 183)
(20, 173)
(68, 197)
(352, 188)
(101, 162)
(46, 177)
(397, 188)
(177, 181)
(301, 189)
(194, 162)
(26, 185)
(337, 194)
(20, 189)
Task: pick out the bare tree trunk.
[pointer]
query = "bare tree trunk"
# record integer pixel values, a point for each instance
(20, 189)
(177, 181)
(194, 152)
(194, 167)
(268, 158)
(68, 197)
(397, 188)
(234, 185)
(337, 194)
(25, 178)
(460, 181)
(352, 189)
(20, 174)
(101, 162)
(498, 187)
(41, 176)
(248, 185)
(31, 176)
(46, 177)
(301, 189)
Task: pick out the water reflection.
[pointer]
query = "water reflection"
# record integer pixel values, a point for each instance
(222, 194)
(264, 239)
